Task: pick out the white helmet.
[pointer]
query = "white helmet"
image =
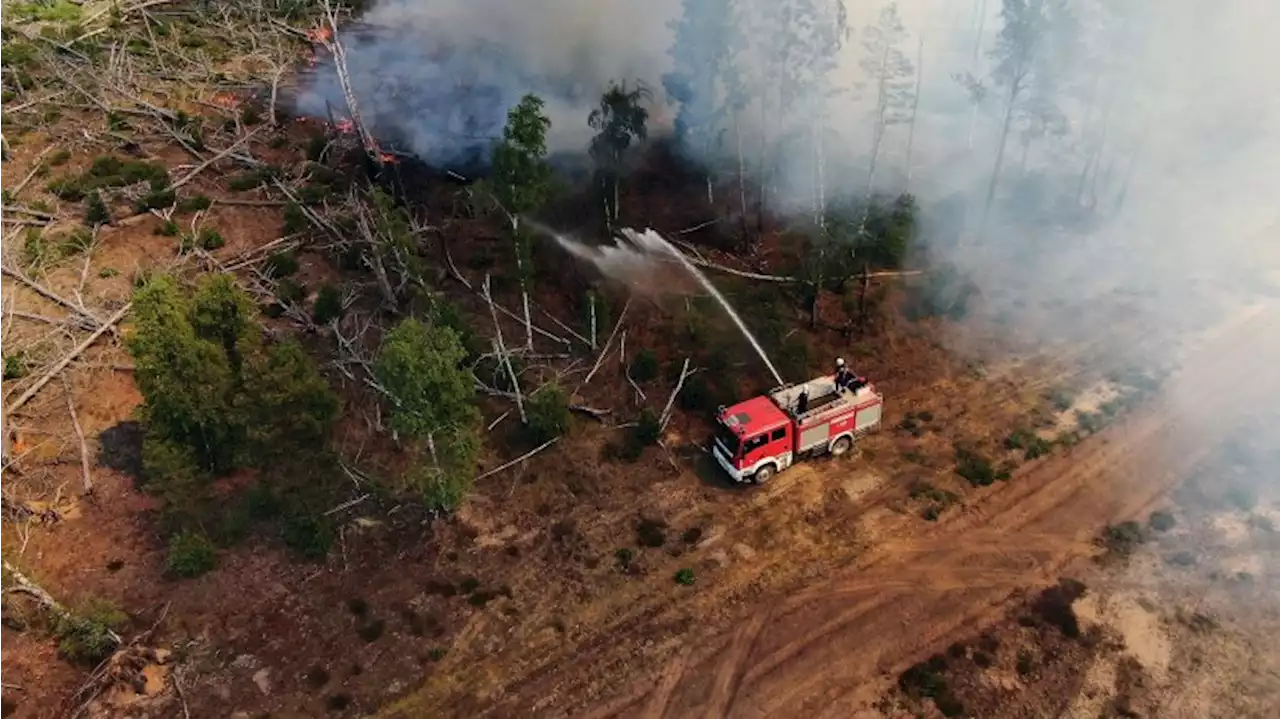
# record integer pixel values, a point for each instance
(839, 361)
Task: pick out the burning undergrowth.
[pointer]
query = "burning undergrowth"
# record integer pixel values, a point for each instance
(426, 90)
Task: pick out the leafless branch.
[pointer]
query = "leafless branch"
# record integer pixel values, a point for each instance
(519, 459)
(67, 359)
(666, 411)
(605, 350)
(84, 447)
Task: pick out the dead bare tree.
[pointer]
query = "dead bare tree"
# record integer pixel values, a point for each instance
(503, 356)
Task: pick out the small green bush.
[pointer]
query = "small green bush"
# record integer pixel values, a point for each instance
(195, 203)
(1124, 538)
(685, 577)
(95, 212)
(59, 157)
(295, 220)
(310, 537)
(190, 555)
(15, 366)
(281, 264)
(648, 429)
(645, 366)
(1161, 521)
(548, 413)
(977, 469)
(328, 305)
(85, 637)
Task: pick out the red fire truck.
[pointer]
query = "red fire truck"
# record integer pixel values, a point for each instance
(760, 437)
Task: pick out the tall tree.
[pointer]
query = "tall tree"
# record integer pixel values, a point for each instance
(885, 61)
(420, 367)
(620, 121)
(796, 46)
(521, 183)
(1025, 53)
(702, 52)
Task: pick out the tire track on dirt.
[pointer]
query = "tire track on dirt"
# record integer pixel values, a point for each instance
(1047, 505)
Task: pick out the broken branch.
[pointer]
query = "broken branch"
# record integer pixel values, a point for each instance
(66, 360)
(519, 459)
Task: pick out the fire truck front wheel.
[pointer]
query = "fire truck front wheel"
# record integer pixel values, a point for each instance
(764, 474)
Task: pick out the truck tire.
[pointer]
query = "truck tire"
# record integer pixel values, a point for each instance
(764, 474)
(841, 447)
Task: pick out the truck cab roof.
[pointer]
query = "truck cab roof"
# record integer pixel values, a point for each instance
(753, 416)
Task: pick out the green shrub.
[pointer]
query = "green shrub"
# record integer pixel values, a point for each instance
(15, 366)
(1123, 538)
(1161, 521)
(696, 395)
(328, 305)
(685, 577)
(295, 220)
(190, 555)
(648, 429)
(644, 367)
(311, 537)
(209, 239)
(168, 228)
(59, 157)
(87, 636)
(95, 212)
(977, 469)
(195, 203)
(548, 413)
(1031, 444)
(281, 264)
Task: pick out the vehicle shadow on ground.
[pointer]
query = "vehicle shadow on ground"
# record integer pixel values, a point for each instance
(698, 459)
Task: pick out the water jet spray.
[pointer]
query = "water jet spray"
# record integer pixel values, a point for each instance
(642, 248)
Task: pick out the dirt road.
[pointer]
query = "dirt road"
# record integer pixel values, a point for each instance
(829, 649)
(819, 653)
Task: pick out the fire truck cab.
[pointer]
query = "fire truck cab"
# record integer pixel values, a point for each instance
(762, 436)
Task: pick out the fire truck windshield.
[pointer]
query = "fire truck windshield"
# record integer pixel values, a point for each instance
(728, 439)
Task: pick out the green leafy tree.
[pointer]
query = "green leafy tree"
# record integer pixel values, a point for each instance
(217, 398)
(187, 381)
(285, 404)
(521, 183)
(548, 411)
(619, 121)
(420, 367)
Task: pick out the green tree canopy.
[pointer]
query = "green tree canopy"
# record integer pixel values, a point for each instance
(420, 367)
(521, 177)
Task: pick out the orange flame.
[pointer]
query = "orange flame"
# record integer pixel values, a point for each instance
(225, 99)
(320, 34)
(387, 158)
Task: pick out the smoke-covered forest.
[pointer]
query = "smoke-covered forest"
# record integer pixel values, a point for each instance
(365, 359)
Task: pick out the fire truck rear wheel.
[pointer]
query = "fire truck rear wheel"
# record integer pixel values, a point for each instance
(764, 474)
(841, 446)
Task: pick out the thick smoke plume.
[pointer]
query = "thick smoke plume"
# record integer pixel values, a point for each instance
(438, 76)
(1139, 168)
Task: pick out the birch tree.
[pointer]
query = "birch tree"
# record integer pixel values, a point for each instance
(702, 52)
(521, 183)
(620, 121)
(420, 366)
(885, 61)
